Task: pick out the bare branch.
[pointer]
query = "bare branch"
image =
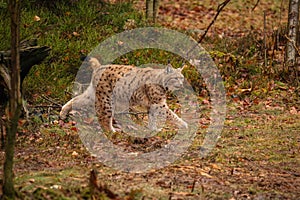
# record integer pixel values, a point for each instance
(219, 9)
(293, 43)
(257, 2)
(50, 100)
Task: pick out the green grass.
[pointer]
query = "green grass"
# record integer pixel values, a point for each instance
(64, 184)
(69, 30)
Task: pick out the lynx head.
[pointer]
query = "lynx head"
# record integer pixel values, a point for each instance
(173, 78)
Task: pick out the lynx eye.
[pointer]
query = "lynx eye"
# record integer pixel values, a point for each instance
(175, 83)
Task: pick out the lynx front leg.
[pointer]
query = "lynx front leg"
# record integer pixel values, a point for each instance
(175, 119)
(163, 112)
(152, 115)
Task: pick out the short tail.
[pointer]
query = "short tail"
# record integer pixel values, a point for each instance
(92, 61)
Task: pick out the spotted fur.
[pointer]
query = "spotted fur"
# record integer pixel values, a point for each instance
(117, 85)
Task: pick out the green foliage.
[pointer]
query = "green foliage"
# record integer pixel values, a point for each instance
(3, 4)
(70, 28)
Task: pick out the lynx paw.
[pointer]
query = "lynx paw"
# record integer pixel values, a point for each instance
(183, 125)
(62, 115)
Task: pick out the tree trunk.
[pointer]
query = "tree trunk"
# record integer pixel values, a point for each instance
(14, 101)
(155, 9)
(149, 8)
(152, 9)
(292, 34)
(30, 55)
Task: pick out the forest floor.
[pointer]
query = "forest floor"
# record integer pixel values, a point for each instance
(256, 157)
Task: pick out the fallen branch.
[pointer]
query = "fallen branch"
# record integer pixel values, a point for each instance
(4, 73)
(30, 55)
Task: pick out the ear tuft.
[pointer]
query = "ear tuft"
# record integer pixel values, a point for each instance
(169, 69)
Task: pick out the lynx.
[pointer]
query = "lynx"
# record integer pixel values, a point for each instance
(115, 85)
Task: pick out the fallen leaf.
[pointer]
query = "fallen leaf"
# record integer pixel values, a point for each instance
(75, 154)
(76, 34)
(205, 174)
(55, 187)
(32, 180)
(73, 128)
(206, 102)
(36, 18)
(215, 166)
(294, 111)
(120, 43)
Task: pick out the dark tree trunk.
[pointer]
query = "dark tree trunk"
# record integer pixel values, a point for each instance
(30, 55)
(14, 101)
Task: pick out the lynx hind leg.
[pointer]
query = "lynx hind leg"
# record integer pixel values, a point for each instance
(66, 109)
(104, 113)
(82, 100)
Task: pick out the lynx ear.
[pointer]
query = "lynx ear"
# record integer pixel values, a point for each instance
(169, 69)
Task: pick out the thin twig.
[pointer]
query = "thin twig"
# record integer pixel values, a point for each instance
(69, 93)
(257, 2)
(219, 9)
(193, 186)
(293, 43)
(44, 106)
(265, 43)
(131, 113)
(50, 100)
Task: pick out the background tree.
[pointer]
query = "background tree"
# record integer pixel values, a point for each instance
(152, 9)
(14, 102)
(292, 50)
